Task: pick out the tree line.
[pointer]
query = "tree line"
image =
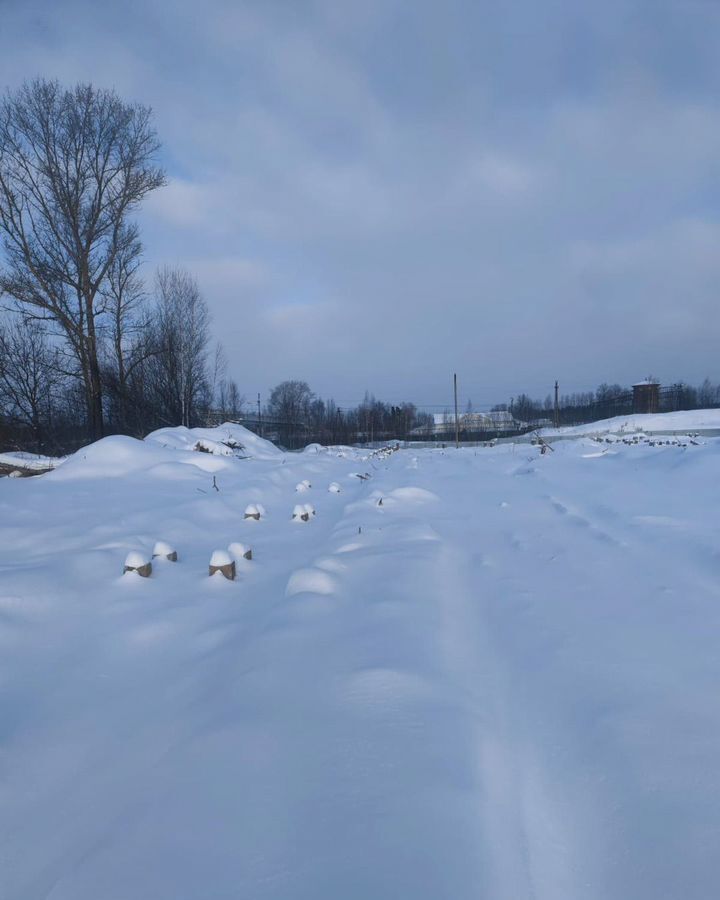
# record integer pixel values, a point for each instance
(86, 348)
(609, 400)
(294, 416)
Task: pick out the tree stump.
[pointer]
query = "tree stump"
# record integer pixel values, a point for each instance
(221, 562)
(240, 551)
(163, 550)
(302, 512)
(136, 562)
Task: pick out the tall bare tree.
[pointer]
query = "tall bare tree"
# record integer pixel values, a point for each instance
(129, 337)
(183, 335)
(74, 164)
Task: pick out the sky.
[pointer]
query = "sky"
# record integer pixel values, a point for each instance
(374, 195)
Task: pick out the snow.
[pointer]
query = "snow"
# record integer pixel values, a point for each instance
(303, 512)
(220, 558)
(238, 550)
(135, 559)
(225, 440)
(501, 683)
(313, 581)
(162, 549)
(31, 462)
(692, 420)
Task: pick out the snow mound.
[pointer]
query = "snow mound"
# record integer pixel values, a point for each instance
(120, 456)
(228, 439)
(239, 551)
(315, 449)
(164, 550)
(412, 495)
(110, 457)
(220, 558)
(135, 559)
(313, 581)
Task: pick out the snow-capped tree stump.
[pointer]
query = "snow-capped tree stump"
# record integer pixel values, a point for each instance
(303, 485)
(300, 514)
(240, 551)
(163, 550)
(138, 562)
(252, 512)
(222, 562)
(334, 487)
(303, 512)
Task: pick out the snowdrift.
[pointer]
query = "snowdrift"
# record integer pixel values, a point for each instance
(166, 453)
(225, 440)
(663, 423)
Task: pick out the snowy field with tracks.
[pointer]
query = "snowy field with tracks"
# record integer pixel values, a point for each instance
(485, 673)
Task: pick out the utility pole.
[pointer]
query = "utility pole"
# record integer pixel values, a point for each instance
(259, 417)
(557, 406)
(457, 432)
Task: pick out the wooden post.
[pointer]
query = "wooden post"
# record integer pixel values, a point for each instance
(457, 432)
(557, 406)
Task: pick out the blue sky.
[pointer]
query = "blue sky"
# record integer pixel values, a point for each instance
(374, 195)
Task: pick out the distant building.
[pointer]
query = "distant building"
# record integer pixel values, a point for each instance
(646, 396)
(475, 422)
(502, 419)
(443, 424)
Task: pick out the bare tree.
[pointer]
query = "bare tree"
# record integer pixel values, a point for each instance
(183, 326)
(707, 394)
(227, 402)
(29, 376)
(129, 341)
(74, 163)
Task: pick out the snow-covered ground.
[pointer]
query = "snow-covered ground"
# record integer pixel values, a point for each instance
(691, 420)
(499, 682)
(28, 462)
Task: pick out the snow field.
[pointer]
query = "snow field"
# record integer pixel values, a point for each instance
(500, 683)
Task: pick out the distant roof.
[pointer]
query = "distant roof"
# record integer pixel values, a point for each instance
(646, 381)
(500, 416)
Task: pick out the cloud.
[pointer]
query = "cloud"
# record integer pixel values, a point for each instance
(375, 195)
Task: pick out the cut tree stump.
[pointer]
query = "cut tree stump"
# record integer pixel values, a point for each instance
(163, 550)
(136, 562)
(221, 562)
(240, 551)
